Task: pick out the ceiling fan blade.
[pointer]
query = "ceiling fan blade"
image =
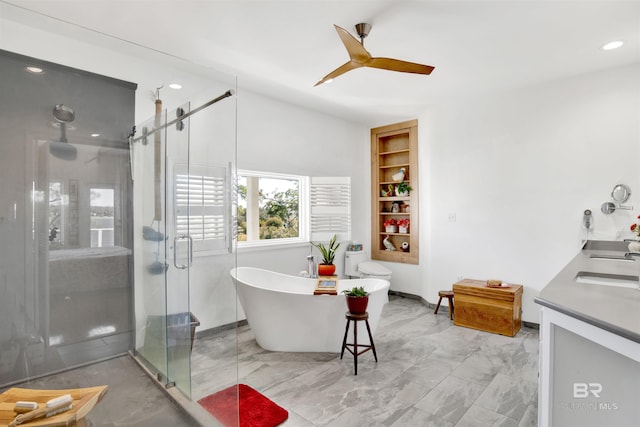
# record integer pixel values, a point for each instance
(361, 58)
(398, 65)
(351, 65)
(356, 51)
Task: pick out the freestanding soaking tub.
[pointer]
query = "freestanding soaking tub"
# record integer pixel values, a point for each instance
(284, 315)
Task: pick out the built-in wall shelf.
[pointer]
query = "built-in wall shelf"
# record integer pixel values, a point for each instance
(399, 165)
(394, 147)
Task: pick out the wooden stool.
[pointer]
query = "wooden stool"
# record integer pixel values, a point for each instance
(448, 295)
(355, 317)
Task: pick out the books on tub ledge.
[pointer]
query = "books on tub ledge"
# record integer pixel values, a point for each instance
(327, 285)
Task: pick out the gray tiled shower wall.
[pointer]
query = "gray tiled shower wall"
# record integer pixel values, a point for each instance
(65, 298)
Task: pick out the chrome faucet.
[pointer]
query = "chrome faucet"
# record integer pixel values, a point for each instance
(312, 266)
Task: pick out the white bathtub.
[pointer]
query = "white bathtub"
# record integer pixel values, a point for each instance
(284, 315)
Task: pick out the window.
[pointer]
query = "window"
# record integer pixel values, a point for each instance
(201, 206)
(270, 208)
(330, 208)
(57, 202)
(277, 208)
(102, 206)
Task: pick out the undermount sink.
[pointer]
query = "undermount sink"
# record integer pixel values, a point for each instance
(623, 258)
(603, 279)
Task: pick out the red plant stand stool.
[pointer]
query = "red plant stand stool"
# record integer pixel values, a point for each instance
(351, 317)
(448, 295)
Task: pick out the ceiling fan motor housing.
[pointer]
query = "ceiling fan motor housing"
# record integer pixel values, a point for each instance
(363, 30)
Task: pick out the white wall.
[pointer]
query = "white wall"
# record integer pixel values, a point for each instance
(274, 136)
(279, 137)
(518, 170)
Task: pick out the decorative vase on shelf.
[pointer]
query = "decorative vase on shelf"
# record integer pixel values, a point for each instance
(391, 229)
(634, 246)
(403, 230)
(399, 177)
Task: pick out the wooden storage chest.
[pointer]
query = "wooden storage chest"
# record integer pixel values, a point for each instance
(497, 310)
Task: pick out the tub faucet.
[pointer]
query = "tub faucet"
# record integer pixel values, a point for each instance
(312, 266)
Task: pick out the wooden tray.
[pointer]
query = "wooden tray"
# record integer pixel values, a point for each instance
(84, 399)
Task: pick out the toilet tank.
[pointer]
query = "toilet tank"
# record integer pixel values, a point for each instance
(351, 261)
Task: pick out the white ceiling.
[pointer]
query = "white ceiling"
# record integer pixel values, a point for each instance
(282, 48)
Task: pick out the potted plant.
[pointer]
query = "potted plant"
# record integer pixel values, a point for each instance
(357, 299)
(403, 189)
(326, 267)
(403, 225)
(390, 225)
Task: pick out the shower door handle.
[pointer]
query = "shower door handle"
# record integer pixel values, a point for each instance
(189, 249)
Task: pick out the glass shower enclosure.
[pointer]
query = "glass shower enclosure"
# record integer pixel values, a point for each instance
(185, 220)
(110, 246)
(113, 241)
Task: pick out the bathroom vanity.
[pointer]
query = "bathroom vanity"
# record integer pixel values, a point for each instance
(590, 340)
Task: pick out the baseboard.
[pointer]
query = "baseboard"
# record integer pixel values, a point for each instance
(418, 298)
(221, 328)
(531, 325)
(446, 308)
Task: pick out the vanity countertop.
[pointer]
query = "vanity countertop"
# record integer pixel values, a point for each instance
(612, 308)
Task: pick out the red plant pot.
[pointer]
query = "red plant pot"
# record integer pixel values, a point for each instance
(357, 305)
(326, 269)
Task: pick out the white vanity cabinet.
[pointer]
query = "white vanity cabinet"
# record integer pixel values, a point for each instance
(588, 376)
(590, 341)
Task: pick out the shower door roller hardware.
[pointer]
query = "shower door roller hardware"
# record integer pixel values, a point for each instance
(189, 248)
(145, 134)
(179, 122)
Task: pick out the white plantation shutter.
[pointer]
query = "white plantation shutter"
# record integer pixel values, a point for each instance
(201, 206)
(330, 213)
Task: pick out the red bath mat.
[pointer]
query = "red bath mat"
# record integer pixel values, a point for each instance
(256, 410)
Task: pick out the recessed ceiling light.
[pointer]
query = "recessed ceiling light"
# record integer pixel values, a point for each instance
(175, 86)
(613, 45)
(34, 70)
(95, 135)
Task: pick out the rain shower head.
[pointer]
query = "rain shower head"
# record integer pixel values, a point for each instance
(63, 150)
(63, 114)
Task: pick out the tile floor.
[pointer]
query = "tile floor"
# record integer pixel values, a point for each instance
(429, 373)
(131, 400)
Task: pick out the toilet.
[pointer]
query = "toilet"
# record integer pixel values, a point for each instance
(357, 264)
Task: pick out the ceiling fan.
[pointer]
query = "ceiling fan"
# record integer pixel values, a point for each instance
(361, 58)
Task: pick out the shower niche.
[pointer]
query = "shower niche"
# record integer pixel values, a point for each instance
(66, 264)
